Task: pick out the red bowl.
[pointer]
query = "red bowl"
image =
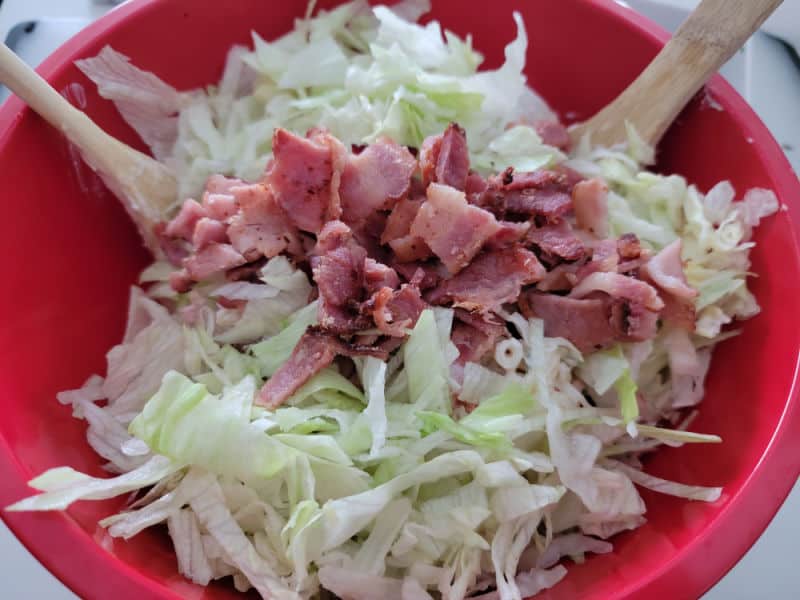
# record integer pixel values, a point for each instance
(72, 255)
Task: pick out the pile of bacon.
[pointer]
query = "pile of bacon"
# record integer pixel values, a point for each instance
(384, 234)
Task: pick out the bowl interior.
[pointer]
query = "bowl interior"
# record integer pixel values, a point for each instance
(71, 256)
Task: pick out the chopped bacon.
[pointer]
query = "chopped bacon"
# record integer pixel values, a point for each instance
(175, 249)
(452, 164)
(586, 323)
(261, 228)
(556, 243)
(302, 178)
(368, 234)
(207, 231)
(665, 269)
(375, 179)
(553, 133)
(219, 184)
(182, 226)
(377, 276)
(406, 247)
(453, 229)
(474, 187)
(246, 272)
(544, 194)
(605, 259)
(590, 201)
(475, 334)
(400, 219)
(410, 248)
(338, 270)
(619, 286)
(396, 311)
(180, 281)
(560, 278)
(424, 275)
(212, 259)
(444, 158)
(334, 235)
(628, 246)
(679, 312)
(428, 155)
(219, 206)
(492, 279)
(313, 352)
(589, 323)
(571, 176)
(508, 234)
(634, 321)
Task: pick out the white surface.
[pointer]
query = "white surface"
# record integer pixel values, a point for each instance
(784, 22)
(764, 74)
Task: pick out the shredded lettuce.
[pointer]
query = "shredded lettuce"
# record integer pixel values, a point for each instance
(359, 72)
(626, 391)
(426, 365)
(366, 481)
(63, 486)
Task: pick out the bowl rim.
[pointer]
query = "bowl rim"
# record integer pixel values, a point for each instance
(777, 468)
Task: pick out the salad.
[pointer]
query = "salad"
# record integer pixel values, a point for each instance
(400, 340)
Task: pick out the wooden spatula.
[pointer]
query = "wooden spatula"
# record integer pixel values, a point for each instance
(146, 187)
(703, 43)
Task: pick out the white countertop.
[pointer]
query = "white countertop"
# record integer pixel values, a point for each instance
(764, 74)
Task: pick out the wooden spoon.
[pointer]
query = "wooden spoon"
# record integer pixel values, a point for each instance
(703, 43)
(146, 187)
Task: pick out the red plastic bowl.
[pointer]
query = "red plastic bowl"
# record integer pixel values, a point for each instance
(71, 255)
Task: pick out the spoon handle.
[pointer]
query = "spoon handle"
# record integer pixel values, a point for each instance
(102, 151)
(146, 187)
(703, 43)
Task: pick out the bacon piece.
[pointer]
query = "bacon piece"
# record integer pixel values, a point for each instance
(553, 133)
(377, 276)
(628, 246)
(665, 269)
(375, 179)
(219, 206)
(207, 231)
(261, 228)
(475, 335)
(492, 279)
(556, 243)
(219, 184)
(619, 286)
(174, 249)
(182, 226)
(474, 187)
(444, 158)
(180, 281)
(542, 194)
(396, 311)
(590, 202)
(585, 323)
(453, 229)
(303, 178)
(410, 248)
(508, 234)
(338, 270)
(400, 219)
(313, 352)
(589, 323)
(212, 259)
